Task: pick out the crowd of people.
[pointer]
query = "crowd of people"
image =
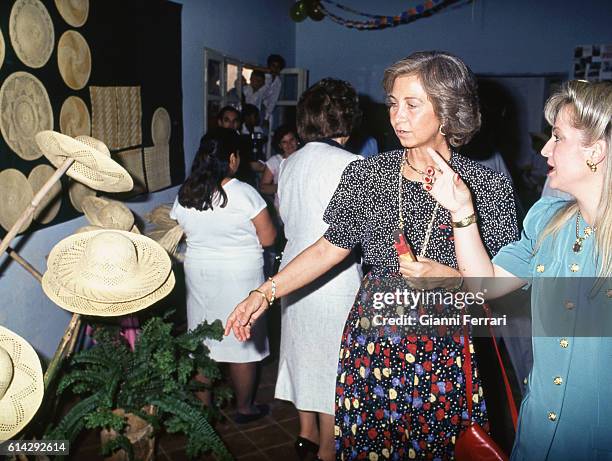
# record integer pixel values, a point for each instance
(370, 390)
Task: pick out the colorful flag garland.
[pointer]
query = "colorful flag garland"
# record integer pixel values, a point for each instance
(426, 9)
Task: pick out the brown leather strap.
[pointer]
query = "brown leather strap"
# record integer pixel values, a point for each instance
(467, 370)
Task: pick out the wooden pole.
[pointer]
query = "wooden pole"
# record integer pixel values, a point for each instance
(29, 211)
(26, 265)
(66, 347)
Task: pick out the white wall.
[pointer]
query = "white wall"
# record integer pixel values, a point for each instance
(247, 29)
(492, 36)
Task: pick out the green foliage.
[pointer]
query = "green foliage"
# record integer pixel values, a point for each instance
(160, 372)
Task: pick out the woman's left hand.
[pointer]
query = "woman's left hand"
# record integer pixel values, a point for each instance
(427, 274)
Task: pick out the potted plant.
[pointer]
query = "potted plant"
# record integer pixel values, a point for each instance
(131, 395)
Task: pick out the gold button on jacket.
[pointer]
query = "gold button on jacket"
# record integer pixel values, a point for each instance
(558, 380)
(564, 343)
(552, 416)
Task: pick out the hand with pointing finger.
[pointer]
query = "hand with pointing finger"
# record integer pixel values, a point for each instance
(448, 189)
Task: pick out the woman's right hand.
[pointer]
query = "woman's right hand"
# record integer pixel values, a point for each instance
(448, 188)
(244, 315)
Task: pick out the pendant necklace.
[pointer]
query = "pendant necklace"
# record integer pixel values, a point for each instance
(401, 214)
(588, 230)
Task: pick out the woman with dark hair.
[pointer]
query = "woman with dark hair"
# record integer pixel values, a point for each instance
(401, 390)
(226, 224)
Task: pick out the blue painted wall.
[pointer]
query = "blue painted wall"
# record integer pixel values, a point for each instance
(246, 29)
(492, 36)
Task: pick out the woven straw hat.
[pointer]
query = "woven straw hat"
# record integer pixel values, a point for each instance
(107, 214)
(74, 117)
(21, 383)
(15, 196)
(74, 12)
(50, 204)
(25, 110)
(109, 266)
(107, 273)
(160, 126)
(74, 59)
(31, 32)
(93, 165)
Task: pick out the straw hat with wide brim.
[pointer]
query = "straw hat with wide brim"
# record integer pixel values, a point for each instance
(74, 59)
(108, 214)
(31, 31)
(16, 194)
(109, 266)
(21, 383)
(92, 166)
(74, 12)
(50, 204)
(25, 109)
(107, 273)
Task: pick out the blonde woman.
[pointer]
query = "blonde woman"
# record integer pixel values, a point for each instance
(565, 412)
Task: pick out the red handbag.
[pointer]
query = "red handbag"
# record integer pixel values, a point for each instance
(473, 443)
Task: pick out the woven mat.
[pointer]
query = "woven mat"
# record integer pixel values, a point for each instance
(74, 117)
(104, 115)
(157, 167)
(132, 161)
(129, 114)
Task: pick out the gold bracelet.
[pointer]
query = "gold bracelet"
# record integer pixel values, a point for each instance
(273, 295)
(263, 295)
(468, 220)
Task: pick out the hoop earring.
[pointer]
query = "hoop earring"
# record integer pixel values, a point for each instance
(440, 131)
(591, 165)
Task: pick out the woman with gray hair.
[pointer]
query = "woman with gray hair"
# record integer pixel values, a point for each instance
(400, 391)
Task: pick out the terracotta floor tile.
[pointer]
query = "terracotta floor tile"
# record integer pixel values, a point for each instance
(267, 437)
(284, 452)
(239, 445)
(282, 410)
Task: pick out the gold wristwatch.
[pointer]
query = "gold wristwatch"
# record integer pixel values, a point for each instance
(468, 220)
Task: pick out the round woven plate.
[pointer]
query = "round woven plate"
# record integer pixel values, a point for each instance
(50, 204)
(77, 192)
(15, 196)
(160, 126)
(31, 32)
(2, 49)
(25, 390)
(74, 12)
(25, 110)
(74, 59)
(74, 117)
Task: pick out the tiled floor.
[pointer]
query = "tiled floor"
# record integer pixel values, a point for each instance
(268, 439)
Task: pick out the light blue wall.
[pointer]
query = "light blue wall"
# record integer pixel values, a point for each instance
(248, 30)
(492, 36)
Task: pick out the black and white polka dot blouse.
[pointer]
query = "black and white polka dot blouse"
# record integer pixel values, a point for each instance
(364, 210)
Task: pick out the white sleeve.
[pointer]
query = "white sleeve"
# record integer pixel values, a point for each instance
(174, 209)
(254, 202)
(273, 88)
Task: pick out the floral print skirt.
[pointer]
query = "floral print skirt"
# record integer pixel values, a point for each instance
(399, 395)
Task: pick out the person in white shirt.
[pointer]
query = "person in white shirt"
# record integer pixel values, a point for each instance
(226, 223)
(285, 141)
(256, 90)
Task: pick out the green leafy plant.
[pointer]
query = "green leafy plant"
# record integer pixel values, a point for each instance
(159, 371)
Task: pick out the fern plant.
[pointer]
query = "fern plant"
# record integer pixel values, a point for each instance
(158, 372)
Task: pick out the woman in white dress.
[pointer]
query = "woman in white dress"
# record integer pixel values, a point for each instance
(313, 317)
(226, 224)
